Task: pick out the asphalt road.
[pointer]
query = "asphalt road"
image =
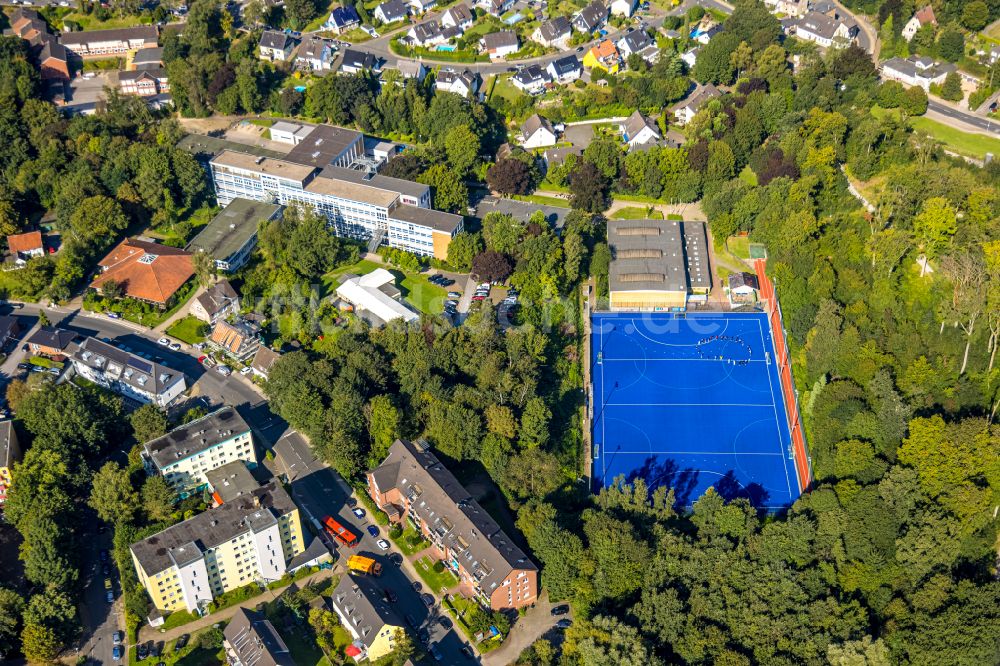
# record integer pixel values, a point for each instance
(986, 124)
(99, 618)
(320, 491)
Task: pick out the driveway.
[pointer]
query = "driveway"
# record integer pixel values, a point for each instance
(534, 624)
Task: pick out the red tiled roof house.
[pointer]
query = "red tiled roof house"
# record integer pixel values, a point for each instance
(146, 271)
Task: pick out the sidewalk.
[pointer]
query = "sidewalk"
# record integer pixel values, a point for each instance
(529, 628)
(148, 633)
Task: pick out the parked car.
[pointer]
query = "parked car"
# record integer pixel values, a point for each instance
(201, 359)
(358, 512)
(444, 622)
(435, 652)
(55, 371)
(396, 559)
(117, 652)
(110, 596)
(24, 366)
(454, 294)
(156, 649)
(113, 315)
(564, 623)
(223, 370)
(383, 544)
(427, 599)
(560, 610)
(373, 530)
(417, 586)
(175, 346)
(142, 651)
(164, 342)
(118, 637)
(107, 584)
(479, 297)
(181, 642)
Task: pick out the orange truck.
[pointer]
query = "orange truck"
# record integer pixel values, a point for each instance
(365, 565)
(339, 532)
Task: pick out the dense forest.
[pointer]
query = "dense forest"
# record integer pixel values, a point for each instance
(891, 556)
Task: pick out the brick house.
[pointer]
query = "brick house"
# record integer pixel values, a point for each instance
(412, 486)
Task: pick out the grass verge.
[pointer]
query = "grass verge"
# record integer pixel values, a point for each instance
(434, 574)
(963, 143)
(411, 542)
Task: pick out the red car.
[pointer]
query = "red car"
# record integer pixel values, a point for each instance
(201, 359)
(479, 298)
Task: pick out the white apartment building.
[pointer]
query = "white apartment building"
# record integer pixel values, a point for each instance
(251, 539)
(130, 375)
(357, 204)
(186, 454)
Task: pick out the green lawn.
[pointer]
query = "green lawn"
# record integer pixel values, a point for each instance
(333, 279)
(191, 655)
(542, 200)
(434, 574)
(504, 88)
(636, 213)
(739, 246)
(303, 647)
(963, 143)
(189, 330)
(421, 294)
(411, 541)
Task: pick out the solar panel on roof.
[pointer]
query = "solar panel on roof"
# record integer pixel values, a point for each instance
(139, 364)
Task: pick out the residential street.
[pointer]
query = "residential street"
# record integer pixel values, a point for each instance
(320, 491)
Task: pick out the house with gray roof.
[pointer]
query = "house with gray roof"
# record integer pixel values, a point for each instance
(554, 33)
(826, 30)
(917, 71)
(565, 70)
(638, 130)
(251, 640)
(367, 616)
(391, 11)
(275, 45)
(217, 302)
(591, 18)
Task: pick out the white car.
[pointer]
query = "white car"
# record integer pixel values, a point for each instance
(246, 371)
(383, 544)
(163, 342)
(176, 346)
(223, 370)
(359, 512)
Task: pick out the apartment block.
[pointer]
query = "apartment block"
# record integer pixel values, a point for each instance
(412, 485)
(250, 539)
(185, 455)
(358, 204)
(132, 376)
